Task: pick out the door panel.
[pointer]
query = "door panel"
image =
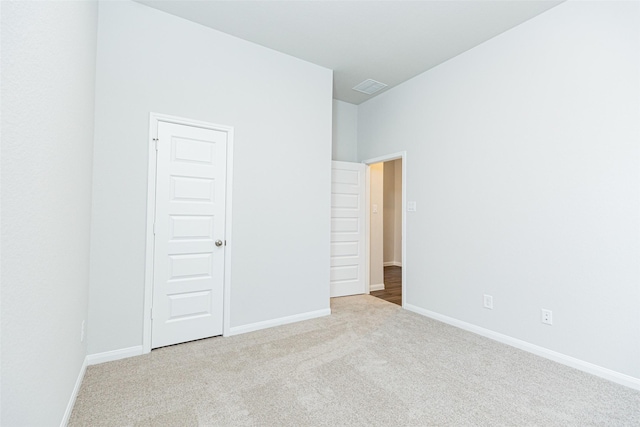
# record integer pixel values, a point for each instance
(189, 218)
(348, 252)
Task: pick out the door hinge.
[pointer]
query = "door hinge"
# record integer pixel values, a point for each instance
(154, 228)
(225, 243)
(155, 142)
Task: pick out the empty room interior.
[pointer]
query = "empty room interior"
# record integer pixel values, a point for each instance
(320, 213)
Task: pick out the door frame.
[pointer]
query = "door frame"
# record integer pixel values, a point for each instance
(393, 156)
(154, 120)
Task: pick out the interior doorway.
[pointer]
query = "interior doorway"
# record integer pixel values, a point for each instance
(392, 291)
(188, 234)
(386, 227)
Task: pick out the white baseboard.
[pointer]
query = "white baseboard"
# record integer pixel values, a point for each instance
(277, 322)
(110, 356)
(392, 264)
(608, 374)
(74, 394)
(378, 287)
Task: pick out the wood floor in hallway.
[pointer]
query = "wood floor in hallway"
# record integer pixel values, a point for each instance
(392, 291)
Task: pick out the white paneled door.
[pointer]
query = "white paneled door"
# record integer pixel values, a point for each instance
(348, 256)
(189, 246)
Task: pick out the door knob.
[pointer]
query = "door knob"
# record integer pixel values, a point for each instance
(218, 242)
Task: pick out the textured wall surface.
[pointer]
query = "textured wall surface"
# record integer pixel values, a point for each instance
(345, 132)
(523, 158)
(48, 72)
(280, 107)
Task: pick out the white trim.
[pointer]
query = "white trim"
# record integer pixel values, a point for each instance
(367, 225)
(149, 248)
(392, 264)
(226, 309)
(236, 330)
(74, 394)
(404, 228)
(378, 287)
(110, 356)
(154, 119)
(608, 374)
(386, 158)
(329, 202)
(403, 263)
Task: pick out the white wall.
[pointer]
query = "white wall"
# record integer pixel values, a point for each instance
(345, 131)
(523, 157)
(376, 226)
(48, 72)
(281, 108)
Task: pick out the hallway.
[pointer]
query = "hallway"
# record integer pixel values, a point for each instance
(392, 291)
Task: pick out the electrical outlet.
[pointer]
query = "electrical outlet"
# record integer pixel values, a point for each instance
(82, 328)
(488, 302)
(547, 317)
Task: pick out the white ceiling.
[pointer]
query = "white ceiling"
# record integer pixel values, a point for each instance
(388, 41)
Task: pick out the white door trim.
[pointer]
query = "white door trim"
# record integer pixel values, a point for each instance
(154, 119)
(394, 156)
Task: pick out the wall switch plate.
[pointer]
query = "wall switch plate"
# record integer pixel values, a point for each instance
(411, 206)
(488, 302)
(374, 208)
(547, 316)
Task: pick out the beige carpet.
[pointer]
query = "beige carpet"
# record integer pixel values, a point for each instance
(370, 363)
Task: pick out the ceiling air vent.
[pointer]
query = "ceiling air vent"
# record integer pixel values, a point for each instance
(369, 86)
